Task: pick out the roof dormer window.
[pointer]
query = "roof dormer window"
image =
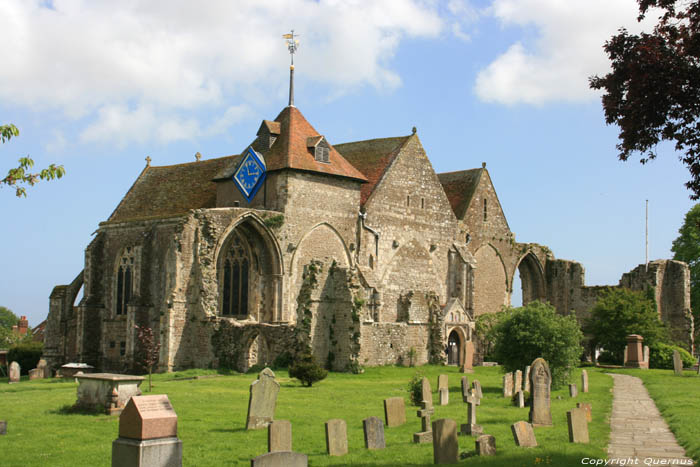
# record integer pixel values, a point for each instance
(320, 147)
(267, 134)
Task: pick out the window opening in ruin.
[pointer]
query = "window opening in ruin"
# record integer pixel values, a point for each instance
(122, 348)
(371, 262)
(235, 280)
(112, 344)
(124, 282)
(485, 209)
(422, 203)
(408, 201)
(516, 298)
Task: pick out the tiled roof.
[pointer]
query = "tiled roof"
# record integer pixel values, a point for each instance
(272, 127)
(459, 188)
(372, 157)
(171, 190)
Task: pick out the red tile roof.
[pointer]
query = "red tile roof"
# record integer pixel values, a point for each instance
(459, 188)
(372, 158)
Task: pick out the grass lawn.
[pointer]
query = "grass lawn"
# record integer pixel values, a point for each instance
(211, 420)
(678, 400)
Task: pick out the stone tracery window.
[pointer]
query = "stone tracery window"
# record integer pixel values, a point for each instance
(236, 273)
(125, 282)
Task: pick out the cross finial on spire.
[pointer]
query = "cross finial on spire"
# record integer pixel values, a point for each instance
(148, 161)
(198, 156)
(292, 45)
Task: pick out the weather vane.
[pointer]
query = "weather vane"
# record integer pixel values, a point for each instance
(292, 45)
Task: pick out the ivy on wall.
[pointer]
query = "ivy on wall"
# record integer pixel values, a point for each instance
(436, 351)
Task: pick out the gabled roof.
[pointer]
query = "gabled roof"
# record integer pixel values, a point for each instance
(460, 187)
(271, 127)
(372, 158)
(171, 190)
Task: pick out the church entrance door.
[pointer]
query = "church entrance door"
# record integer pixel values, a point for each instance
(453, 348)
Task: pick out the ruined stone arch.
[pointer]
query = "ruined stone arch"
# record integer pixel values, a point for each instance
(531, 278)
(344, 260)
(490, 281)
(257, 352)
(460, 334)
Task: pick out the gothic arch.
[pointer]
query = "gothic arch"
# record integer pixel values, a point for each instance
(460, 333)
(490, 281)
(257, 225)
(334, 234)
(257, 352)
(531, 278)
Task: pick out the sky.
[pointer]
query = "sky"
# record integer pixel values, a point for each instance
(98, 86)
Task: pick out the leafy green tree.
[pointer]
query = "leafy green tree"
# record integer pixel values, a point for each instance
(7, 318)
(687, 248)
(536, 330)
(21, 174)
(620, 312)
(486, 329)
(305, 369)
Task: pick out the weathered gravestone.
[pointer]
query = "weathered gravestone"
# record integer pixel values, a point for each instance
(521, 399)
(624, 357)
(426, 392)
(677, 363)
(584, 381)
(468, 358)
(36, 373)
(336, 437)
(588, 408)
(374, 433)
(526, 388)
(394, 411)
(445, 446)
(508, 385)
(465, 388)
(518, 381)
(262, 401)
(279, 436)
(3, 427)
(14, 372)
(281, 459)
(444, 396)
(471, 427)
(443, 382)
(147, 434)
(646, 357)
(540, 402)
(573, 390)
(476, 386)
(44, 367)
(485, 445)
(426, 433)
(523, 434)
(635, 353)
(578, 425)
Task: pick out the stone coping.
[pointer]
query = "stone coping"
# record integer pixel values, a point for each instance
(111, 377)
(78, 366)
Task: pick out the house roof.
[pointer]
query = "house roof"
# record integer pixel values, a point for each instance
(460, 187)
(171, 190)
(372, 158)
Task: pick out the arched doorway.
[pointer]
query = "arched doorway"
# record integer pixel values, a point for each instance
(531, 275)
(454, 348)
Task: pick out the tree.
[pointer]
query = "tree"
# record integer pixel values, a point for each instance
(653, 90)
(687, 248)
(536, 330)
(305, 369)
(620, 312)
(7, 318)
(21, 174)
(147, 352)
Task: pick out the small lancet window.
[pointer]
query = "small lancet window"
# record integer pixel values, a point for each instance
(124, 282)
(422, 203)
(408, 201)
(485, 209)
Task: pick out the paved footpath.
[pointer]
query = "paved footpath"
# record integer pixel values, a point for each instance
(637, 428)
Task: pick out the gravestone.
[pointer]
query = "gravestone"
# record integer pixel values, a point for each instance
(527, 379)
(578, 425)
(443, 382)
(540, 403)
(465, 388)
(36, 373)
(518, 381)
(588, 408)
(3, 427)
(468, 359)
(485, 445)
(521, 399)
(624, 357)
(14, 372)
(426, 433)
(508, 385)
(394, 411)
(426, 392)
(677, 363)
(106, 391)
(279, 436)
(444, 396)
(523, 434)
(646, 357)
(476, 386)
(44, 367)
(573, 390)
(336, 437)
(281, 459)
(635, 354)
(584, 381)
(445, 447)
(262, 400)
(147, 434)
(374, 433)
(471, 427)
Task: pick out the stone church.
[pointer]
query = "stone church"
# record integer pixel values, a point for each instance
(379, 258)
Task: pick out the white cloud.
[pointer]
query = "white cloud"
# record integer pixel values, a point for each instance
(568, 49)
(134, 70)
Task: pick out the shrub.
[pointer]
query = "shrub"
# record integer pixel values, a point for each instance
(661, 356)
(607, 358)
(536, 330)
(415, 389)
(27, 354)
(305, 369)
(282, 361)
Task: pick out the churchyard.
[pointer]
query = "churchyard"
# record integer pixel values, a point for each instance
(211, 410)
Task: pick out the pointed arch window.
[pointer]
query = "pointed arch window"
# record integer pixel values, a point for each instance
(125, 281)
(235, 279)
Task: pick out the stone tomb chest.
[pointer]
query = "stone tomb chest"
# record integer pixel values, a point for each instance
(107, 391)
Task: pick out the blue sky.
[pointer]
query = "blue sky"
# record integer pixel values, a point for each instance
(98, 89)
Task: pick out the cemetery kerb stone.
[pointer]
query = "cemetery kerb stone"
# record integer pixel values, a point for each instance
(588, 408)
(444, 396)
(426, 392)
(262, 401)
(508, 385)
(573, 390)
(485, 445)
(465, 388)
(279, 436)
(471, 427)
(518, 381)
(468, 359)
(14, 374)
(677, 363)
(107, 391)
(281, 459)
(394, 411)
(445, 445)
(374, 433)
(584, 381)
(527, 379)
(523, 434)
(540, 402)
(577, 421)
(147, 434)
(426, 433)
(336, 437)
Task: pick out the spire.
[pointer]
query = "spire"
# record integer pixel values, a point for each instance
(292, 45)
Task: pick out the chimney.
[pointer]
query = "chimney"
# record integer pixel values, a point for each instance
(23, 326)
